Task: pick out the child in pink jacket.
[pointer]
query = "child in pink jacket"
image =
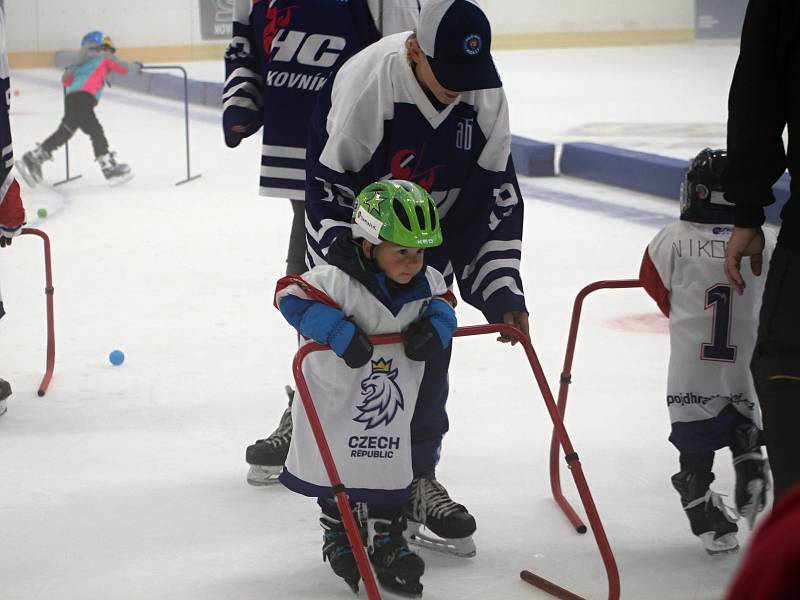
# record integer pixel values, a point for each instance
(84, 82)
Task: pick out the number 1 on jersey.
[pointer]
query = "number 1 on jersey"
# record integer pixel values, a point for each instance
(719, 298)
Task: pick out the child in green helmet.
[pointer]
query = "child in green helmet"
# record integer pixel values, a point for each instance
(375, 283)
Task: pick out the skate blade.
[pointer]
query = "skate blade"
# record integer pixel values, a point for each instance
(120, 180)
(26, 175)
(260, 476)
(462, 548)
(727, 544)
(712, 552)
(388, 584)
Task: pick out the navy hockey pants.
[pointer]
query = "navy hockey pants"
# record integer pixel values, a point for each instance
(430, 423)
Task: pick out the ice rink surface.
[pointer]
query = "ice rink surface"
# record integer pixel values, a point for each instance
(129, 482)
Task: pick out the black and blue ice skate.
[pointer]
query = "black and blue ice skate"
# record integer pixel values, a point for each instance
(336, 550)
(397, 568)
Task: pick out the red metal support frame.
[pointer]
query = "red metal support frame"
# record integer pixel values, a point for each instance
(563, 389)
(48, 290)
(359, 552)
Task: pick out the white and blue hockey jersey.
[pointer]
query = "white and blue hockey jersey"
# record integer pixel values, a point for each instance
(374, 121)
(712, 330)
(281, 54)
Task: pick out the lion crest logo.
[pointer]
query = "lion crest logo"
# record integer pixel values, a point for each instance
(382, 396)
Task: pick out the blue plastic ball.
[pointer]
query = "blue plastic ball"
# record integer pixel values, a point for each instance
(116, 357)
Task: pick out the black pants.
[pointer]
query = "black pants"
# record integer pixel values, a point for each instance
(776, 367)
(296, 255)
(79, 114)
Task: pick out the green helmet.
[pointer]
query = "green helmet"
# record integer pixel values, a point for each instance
(397, 211)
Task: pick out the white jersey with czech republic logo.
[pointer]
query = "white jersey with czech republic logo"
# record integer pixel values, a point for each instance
(365, 412)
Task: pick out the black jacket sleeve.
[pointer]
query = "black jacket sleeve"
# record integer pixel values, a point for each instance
(760, 104)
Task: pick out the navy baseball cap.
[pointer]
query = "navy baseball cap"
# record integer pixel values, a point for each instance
(456, 37)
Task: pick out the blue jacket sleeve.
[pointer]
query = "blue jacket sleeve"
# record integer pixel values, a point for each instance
(320, 322)
(443, 318)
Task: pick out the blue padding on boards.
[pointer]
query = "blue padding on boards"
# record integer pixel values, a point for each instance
(213, 94)
(532, 158)
(639, 171)
(643, 172)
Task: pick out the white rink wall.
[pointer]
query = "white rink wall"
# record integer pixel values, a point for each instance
(556, 16)
(52, 25)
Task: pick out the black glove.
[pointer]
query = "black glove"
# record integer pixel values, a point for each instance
(358, 351)
(421, 340)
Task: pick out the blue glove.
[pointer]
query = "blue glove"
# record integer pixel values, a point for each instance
(432, 333)
(328, 325)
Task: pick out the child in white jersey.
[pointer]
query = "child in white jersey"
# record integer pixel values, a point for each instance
(710, 395)
(375, 282)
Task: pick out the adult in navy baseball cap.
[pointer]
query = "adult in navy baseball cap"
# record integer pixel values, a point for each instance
(456, 37)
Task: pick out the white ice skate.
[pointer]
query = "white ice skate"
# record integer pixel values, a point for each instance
(25, 173)
(114, 172)
(30, 166)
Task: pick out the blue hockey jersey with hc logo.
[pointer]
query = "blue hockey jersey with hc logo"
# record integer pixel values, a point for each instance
(281, 54)
(374, 121)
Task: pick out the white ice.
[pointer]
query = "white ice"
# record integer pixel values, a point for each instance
(129, 482)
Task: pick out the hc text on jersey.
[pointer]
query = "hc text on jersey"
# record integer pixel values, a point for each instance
(313, 50)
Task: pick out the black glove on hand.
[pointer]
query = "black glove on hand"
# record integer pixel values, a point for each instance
(358, 351)
(421, 340)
